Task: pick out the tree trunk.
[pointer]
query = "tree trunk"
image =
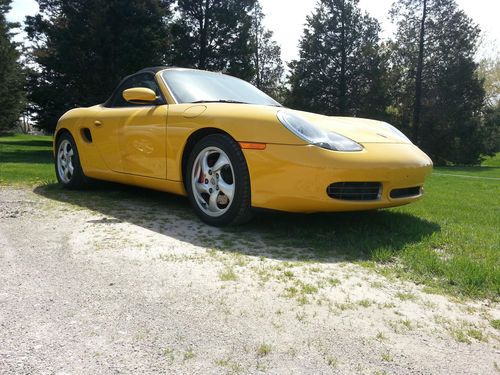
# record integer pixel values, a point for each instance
(257, 52)
(418, 82)
(203, 20)
(343, 63)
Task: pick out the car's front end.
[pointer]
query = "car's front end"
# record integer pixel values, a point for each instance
(376, 167)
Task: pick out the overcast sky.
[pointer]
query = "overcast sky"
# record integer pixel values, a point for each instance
(286, 18)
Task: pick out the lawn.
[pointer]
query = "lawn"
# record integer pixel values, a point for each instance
(449, 241)
(26, 159)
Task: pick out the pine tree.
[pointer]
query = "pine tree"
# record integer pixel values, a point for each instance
(438, 95)
(341, 69)
(214, 35)
(11, 75)
(268, 66)
(82, 48)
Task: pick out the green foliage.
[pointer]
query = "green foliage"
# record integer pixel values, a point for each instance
(452, 95)
(11, 75)
(214, 35)
(84, 48)
(267, 62)
(341, 65)
(489, 72)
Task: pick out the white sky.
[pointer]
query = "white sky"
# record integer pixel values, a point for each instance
(287, 17)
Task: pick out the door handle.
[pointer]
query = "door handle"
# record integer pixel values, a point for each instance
(97, 123)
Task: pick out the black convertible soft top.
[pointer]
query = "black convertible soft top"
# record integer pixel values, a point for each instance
(152, 70)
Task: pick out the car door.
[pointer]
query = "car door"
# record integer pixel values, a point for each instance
(136, 132)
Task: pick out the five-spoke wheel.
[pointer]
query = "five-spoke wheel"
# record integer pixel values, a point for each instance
(65, 168)
(213, 181)
(218, 182)
(68, 169)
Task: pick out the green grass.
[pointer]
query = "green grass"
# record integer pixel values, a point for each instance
(493, 161)
(26, 159)
(449, 241)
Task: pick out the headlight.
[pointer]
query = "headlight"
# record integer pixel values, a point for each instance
(315, 135)
(399, 134)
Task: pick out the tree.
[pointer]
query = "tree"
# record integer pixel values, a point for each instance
(214, 35)
(341, 69)
(438, 96)
(489, 71)
(267, 62)
(11, 74)
(82, 48)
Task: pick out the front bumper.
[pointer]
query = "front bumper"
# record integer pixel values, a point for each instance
(295, 178)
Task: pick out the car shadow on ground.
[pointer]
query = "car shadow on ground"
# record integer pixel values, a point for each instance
(316, 237)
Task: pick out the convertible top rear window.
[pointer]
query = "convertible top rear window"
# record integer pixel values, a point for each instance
(189, 86)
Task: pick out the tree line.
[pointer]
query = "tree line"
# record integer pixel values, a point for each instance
(424, 80)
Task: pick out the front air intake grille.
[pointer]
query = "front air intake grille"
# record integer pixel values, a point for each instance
(355, 191)
(406, 192)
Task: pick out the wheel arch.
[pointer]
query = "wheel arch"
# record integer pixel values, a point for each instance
(57, 136)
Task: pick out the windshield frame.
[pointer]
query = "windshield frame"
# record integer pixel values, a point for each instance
(177, 101)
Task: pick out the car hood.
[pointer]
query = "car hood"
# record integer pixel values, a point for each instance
(358, 129)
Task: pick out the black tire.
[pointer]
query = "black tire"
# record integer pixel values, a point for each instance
(239, 210)
(77, 179)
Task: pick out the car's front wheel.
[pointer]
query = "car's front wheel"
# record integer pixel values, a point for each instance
(68, 168)
(218, 182)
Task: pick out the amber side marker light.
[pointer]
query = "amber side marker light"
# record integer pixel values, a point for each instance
(252, 146)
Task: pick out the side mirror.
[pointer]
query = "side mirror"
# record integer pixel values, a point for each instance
(139, 95)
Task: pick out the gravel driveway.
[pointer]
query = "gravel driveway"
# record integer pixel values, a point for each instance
(146, 288)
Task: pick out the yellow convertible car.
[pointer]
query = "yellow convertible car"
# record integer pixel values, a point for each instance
(231, 148)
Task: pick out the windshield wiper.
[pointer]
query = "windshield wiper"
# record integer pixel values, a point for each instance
(219, 101)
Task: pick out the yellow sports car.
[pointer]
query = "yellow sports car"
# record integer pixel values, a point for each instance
(231, 148)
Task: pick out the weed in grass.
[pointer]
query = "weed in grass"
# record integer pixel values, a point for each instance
(301, 316)
(232, 367)
(387, 305)
(402, 325)
(406, 323)
(302, 300)
(169, 354)
(429, 305)
(382, 255)
(334, 282)
(291, 292)
(228, 275)
(477, 334)
(308, 289)
(264, 350)
(495, 323)
(345, 306)
(189, 354)
(377, 285)
(332, 361)
(380, 336)
(406, 296)
(461, 336)
(387, 357)
(364, 303)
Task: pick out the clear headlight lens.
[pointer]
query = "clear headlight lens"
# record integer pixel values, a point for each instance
(398, 133)
(315, 135)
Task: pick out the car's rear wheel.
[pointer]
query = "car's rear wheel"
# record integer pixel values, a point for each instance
(68, 168)
(218, 182)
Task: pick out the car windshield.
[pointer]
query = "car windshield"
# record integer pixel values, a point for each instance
(195, 86)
